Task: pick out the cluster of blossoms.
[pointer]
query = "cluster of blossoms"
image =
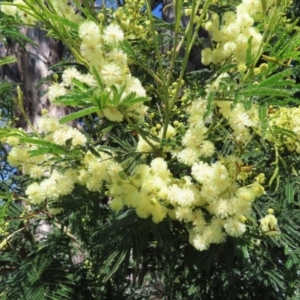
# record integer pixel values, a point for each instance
(62, 8)
(268, 224)
(52, 184)
(286, 118)
(231, 35)
(196, 142)
(134, 23)
(239, 119)
(211, 191)
(15, 11)
(211, 202)
(102, 50)
(196, 145)
(207, 197)
(100, 47)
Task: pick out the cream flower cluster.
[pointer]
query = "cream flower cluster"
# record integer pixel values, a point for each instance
(255, 7)
(59, 134)
(101, 49)
(145, 190)
(231, 35)
(66, 10)
(195, 144)
(96, 170)
(268, 224)
(207, 197)
(60, 89)
(240, 119)
(11, 10)
(52, 188)
(132, 19)
(62, 8)
(144, 146)
(211, 203)
(52, 184)
(288, 119)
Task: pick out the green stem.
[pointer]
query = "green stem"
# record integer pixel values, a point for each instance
(68, 233)
(138, 130)
(265, 40)
(44, 14)
(212, 127)
(162, 79)
(20, 102)
(190, 36)
(275, 173)
(157, 52)
(250, 140)
(178, 15)
(156, 78)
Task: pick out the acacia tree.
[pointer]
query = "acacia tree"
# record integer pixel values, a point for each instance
(196, 171)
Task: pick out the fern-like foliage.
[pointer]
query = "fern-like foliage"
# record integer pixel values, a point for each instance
(89, 252)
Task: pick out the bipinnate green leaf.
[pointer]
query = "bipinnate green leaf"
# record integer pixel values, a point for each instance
(249, 57)
(79, 114)
(131, 99)
(289, 192)
(46, 147)
(256, 90)
(278, 79)
(276, 130)
(128, 49)
(7, 60)
(263, 116)
(117, 94)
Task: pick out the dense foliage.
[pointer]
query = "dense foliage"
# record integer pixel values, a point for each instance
(175, 182)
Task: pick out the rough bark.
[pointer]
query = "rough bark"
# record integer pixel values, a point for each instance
(33, 62)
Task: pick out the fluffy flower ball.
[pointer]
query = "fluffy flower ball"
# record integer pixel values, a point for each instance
(55, 91)
(113, 34)
(35, 193)
(89, 31)
(234, 227)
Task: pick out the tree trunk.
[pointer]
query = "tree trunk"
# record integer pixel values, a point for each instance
(33, 62)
